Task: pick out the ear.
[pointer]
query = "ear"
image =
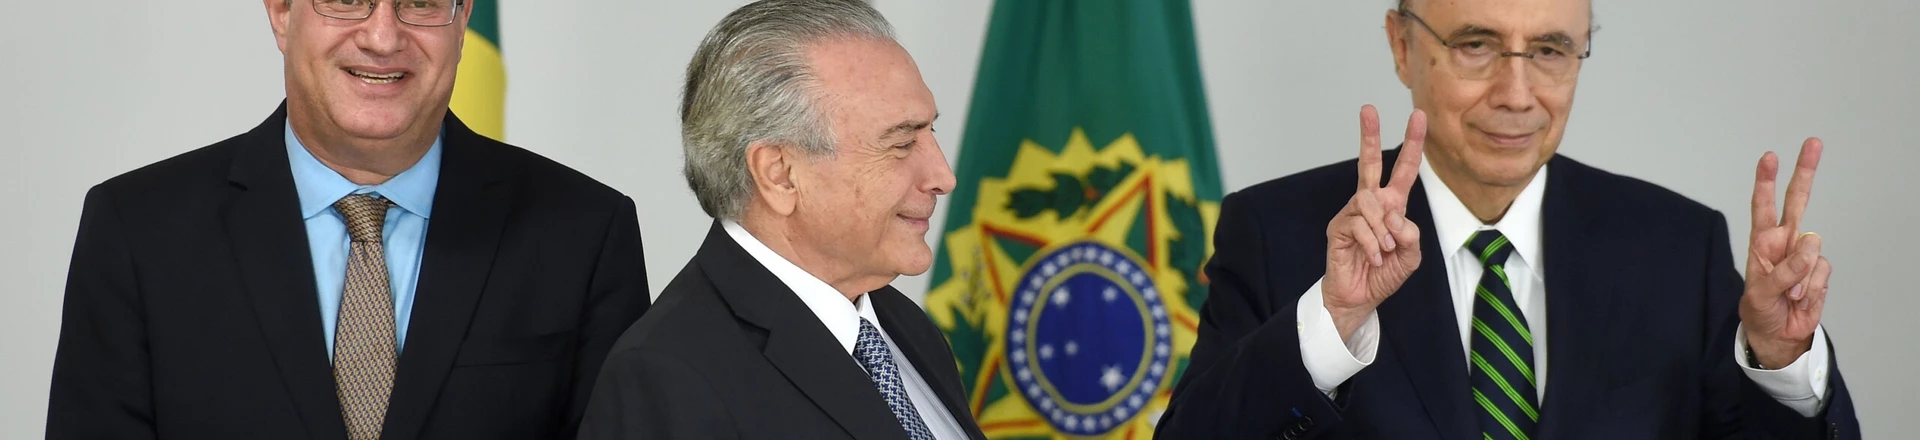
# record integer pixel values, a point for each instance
(466, 13)
(773, 168)
(279, 12)
(460, 21)
(1397, 39)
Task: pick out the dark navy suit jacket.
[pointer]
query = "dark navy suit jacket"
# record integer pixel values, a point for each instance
(1642, 311)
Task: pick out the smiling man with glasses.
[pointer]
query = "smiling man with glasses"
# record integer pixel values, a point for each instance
(360, 266)
(1427, 292)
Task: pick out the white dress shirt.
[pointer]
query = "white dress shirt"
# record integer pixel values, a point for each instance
(842, 318)
(1801, 385)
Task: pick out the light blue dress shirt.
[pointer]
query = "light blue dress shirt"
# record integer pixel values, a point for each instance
(405, 231)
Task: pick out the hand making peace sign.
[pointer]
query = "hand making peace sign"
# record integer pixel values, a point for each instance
(1786, 276)
(1371, 246)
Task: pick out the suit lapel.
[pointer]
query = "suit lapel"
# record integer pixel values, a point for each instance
(927, 350)
(269, 244)
(798, 344)
(1578, 301)
(470, 209)
(1419, 323)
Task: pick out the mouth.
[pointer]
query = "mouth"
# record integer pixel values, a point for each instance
(374, 77)
(919, 222)
(1508, 140)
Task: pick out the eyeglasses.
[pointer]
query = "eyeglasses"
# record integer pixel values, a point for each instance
(430, 13)
(1554, 60)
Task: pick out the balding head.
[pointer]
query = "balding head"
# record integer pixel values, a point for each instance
(1494, 116)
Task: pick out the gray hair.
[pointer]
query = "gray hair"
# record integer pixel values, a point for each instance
(749, 81)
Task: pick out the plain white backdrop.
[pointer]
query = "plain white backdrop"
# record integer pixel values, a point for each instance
(1686, 94)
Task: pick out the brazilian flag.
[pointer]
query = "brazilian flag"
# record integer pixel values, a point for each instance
(1070, 268)
(480, 90)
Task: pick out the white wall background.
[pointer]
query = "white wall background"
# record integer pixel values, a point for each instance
(1686, 94)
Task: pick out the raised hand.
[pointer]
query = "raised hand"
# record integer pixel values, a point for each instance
(1371, 246)
(1786, 276)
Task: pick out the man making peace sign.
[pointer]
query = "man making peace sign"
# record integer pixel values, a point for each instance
(1433, 298)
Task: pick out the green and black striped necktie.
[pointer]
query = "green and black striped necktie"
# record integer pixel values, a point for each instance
(1502, 371)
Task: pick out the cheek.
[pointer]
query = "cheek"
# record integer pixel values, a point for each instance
(1558, 103)
(845, 202)
(1459, 97)
(1559, 106)
(438, 49)
(1445, 97)
(311, 59)
(312, 46)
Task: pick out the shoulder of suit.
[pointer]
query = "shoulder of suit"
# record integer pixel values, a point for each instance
(1318, 189)
(201, 167)
(689, 304)
(1620, 193)
(548, 172)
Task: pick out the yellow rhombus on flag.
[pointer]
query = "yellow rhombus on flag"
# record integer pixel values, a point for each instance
(480, 89)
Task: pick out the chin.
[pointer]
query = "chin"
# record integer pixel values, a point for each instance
(375, 120)
(1509, 172)
(915, 262)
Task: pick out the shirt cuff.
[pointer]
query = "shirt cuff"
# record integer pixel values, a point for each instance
(1328, 359)
(1801, 385)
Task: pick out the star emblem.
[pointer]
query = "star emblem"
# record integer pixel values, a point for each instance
(1110, 377)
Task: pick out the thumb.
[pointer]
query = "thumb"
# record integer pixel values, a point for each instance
(1786, 276)
(1407, 234)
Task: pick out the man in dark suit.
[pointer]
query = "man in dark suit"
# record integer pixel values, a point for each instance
(1435, 307)
(359, 266)
(809, 139)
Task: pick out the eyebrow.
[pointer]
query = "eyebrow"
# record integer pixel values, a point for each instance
(909, 127)
(1472, 30)
(1554, 37)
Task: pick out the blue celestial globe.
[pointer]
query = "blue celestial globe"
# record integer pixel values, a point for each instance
(1088, 337)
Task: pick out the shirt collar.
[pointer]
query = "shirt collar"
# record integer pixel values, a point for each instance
(841, 317)
(319, 187)
(1453, 223)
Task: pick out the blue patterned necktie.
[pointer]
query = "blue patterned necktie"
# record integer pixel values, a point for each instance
(1502, 373)
(874, 355)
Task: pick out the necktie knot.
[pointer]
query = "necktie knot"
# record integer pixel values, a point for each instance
(365, 216)
(1491, 247)
(870, 349)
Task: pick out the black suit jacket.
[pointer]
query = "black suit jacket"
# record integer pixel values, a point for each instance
(191, 310)
(1641, 304)
(729, 352)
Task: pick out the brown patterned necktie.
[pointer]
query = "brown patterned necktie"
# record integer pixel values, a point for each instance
(363, 345)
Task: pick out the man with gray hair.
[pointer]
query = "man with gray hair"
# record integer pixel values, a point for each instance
(809, 139)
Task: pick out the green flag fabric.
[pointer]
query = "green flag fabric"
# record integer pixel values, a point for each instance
(1070, 268)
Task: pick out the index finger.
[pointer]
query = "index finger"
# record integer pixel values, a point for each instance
(1407, 167)
(1369, 147)
(1764, 214)
(1800, 189)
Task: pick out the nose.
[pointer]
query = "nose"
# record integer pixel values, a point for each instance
(941, 181)
(381, 34)
(1512, 85)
